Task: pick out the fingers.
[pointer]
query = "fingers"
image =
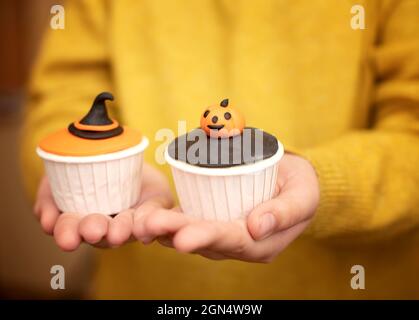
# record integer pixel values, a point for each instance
(266, 250)
(102, 231)
(296, 203)
(45, 208)
(139, 231)
(120, 228)
(151, 222)
(163, 222)
(281, 213)
(275, 215)
(70, 229)
(167, 241)
(66, 232)
(221, 237)
(48, 216)
(94, 227)
(227, 240)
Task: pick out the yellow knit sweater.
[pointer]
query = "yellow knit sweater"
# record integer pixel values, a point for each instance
(346, 99)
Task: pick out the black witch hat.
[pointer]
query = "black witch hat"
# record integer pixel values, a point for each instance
(96, 124)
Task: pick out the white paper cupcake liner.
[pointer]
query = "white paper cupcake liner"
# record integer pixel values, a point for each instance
(224, 194)
(104, 184)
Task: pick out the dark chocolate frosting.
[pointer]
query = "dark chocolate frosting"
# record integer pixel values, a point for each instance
(94, 119)
(198, 149)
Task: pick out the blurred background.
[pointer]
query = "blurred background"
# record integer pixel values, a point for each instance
(28, 255)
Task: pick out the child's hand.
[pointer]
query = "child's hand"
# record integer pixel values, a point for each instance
(70, 229)
(270, 227)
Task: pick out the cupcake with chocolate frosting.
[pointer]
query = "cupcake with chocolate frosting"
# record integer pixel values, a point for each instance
(94, 165)
(223, 169)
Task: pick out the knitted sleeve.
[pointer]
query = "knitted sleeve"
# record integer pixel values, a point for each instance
(369, 179)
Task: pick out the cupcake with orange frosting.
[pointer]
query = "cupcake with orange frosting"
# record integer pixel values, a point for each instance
(94, 165)
(224, 169)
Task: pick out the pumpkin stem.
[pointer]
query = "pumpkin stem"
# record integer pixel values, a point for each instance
(224, 103)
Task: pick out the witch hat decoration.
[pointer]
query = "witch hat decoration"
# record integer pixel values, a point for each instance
(96, 124)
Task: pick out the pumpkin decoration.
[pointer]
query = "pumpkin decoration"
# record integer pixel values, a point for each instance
(222, 121)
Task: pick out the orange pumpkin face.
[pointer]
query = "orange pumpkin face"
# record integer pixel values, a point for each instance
(222, 121)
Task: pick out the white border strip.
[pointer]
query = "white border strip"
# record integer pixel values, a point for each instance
(230, 171)
(98, 158)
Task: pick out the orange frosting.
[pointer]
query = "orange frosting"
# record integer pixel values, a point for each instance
(64, 143)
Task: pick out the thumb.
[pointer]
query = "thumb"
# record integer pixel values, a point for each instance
(280, 213)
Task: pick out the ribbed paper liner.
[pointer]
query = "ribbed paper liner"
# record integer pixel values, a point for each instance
(105, 187)
(104, 184)
(224, 198)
